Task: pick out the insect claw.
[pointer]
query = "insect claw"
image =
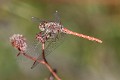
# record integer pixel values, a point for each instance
(33, 65)
(18, 54)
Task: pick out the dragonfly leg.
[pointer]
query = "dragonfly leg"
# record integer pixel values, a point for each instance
(18, 54)
(56, 38)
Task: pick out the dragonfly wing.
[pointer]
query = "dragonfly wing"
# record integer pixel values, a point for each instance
(53, 44)
(57, 17)
(35, 19)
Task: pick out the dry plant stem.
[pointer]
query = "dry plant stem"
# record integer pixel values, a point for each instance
(51, 77)
(52, 71)
(43, 52)
(43, 62)
(46, 63)
(32, 58)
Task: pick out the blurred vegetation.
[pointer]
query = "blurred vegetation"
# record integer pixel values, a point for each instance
(76, 58)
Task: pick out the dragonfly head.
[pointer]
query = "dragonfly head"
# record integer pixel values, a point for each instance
(42, 26)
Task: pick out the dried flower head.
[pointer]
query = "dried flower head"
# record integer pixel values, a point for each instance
(18, 41)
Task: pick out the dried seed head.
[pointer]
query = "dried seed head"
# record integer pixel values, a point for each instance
(18, 41)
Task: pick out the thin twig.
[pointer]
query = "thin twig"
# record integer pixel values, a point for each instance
(51, 77)
(43, 62)
(52, 71)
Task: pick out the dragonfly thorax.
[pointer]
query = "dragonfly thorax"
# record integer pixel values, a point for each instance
(48, 27)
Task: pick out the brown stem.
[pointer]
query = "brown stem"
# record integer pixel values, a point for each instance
(43, 52)
(43, 62)
(52, 71)
(51, 77)
(46, 63)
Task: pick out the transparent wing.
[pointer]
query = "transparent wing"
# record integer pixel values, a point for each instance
(57, 17)
(37, 20)
(53, 44)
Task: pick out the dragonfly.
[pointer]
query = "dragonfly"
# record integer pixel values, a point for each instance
(54, 32)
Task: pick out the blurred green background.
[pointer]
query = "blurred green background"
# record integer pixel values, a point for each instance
(76, 58)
